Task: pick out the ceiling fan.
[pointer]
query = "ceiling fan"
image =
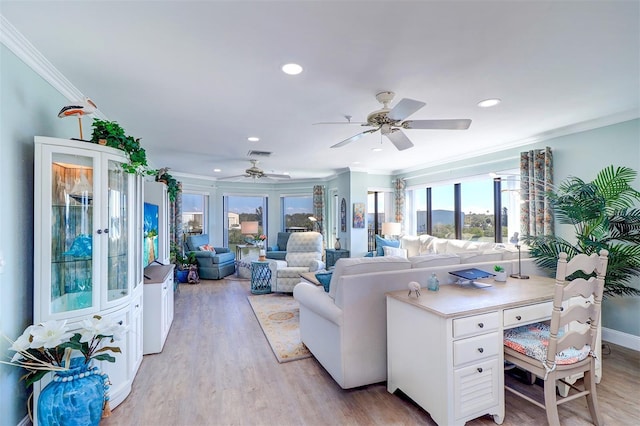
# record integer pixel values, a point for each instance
(389, 121)
(255, 172)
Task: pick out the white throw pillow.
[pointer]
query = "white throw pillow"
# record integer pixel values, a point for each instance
(392, 251)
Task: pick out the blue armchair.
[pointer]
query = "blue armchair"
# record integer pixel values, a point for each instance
(211, 266)
(279, 251)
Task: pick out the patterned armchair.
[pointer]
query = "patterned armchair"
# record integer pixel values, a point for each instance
(304, 254)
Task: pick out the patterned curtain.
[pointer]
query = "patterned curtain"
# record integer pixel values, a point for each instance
(176, 236)
(536, 178)
(400, 196)
(318, 206)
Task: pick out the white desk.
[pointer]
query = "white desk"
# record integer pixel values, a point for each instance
(445, 349)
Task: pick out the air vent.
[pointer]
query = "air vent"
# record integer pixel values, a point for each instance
(253, 153)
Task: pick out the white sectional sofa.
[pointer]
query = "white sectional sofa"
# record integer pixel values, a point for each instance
(345, 329)
(424, 248)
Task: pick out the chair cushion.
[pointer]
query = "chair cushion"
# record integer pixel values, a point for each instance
(382, 242)
(195, 241)
(532, 340)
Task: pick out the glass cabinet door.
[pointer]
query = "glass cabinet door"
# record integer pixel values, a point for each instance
(72, 264)
(118, 231)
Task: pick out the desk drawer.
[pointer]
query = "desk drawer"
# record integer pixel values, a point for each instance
(527, 314)
(476, 324)
(476, 348)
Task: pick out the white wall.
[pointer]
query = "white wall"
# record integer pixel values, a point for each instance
(29, 107)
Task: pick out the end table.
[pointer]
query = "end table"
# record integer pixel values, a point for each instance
(332, 256)
(260, 277)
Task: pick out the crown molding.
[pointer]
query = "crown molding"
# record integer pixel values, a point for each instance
(27, 53)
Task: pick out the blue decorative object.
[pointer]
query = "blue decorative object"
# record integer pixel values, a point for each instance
(381, 242)
(81, 246)
(433, 283)
(325, 279)
(74, 397)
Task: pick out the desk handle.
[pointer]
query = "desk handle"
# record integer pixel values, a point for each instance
(479, 369)
(481, 325)
(480, 350)
(518, 317)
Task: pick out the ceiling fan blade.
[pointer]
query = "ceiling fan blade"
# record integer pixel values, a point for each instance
(404, 108)
(452, 124)
(353, 138)
(276, 176)
(399, 139)
(232, 177)
(360, 123)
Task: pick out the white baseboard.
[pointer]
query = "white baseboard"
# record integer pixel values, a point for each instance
(619, 338)
(26, 421)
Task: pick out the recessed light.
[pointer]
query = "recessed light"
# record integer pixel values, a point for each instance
(356, 162)
(253, 139)
(292, 69)
(376, 149)
(217, 170)
(489, 103)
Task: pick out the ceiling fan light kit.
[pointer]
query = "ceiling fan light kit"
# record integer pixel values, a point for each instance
(389, 121)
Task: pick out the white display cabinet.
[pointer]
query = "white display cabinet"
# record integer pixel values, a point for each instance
(87, 234)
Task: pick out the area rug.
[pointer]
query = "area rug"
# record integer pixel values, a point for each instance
(279, 316)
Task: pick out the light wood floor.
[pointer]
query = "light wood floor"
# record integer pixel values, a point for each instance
(218, 369)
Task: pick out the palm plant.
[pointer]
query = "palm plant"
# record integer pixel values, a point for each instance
(605, 215)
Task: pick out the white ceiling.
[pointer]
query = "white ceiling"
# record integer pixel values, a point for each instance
(195, 79)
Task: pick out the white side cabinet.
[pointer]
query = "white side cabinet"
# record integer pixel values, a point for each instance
(87, 236)
(158, 306)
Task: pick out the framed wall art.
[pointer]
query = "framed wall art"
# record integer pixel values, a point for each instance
(358, 215)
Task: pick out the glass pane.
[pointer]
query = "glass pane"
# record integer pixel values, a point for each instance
(193, 213)
(477, 210)
(420, 202)
(71, 229)
(297, 211)
(243, 209)
(443, 211)
(117, 253)
(510, 189)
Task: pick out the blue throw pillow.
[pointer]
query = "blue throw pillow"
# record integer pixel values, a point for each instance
(381, 242)
(325, 279)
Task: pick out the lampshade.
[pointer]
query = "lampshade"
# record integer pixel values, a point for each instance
(248, 228)
(391, 228)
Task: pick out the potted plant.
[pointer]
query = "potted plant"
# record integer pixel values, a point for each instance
(110, 133)
(500, 273)
(173, 186)
(604, 216)
(183, 263)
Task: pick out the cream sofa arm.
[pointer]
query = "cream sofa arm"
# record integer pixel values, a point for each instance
(314, 298)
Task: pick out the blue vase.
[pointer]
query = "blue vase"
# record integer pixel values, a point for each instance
(74, 397)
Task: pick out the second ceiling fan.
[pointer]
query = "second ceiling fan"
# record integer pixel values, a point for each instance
(389, 121)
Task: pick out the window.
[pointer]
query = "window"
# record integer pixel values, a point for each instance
(296, 211)
(443, 211)
(238, 209)
(465, 210)
(477, 210)
(193, 213)
(378, 211)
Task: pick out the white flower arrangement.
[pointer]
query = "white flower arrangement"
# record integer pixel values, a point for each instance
(48, 346)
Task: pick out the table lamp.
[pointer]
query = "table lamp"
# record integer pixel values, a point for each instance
(392, 229)
(249, 228)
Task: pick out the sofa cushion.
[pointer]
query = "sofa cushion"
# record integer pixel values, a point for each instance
(392, 251)
(325, 279)
(281, 242)
(362, 265)
(429, 260)
(381, 242)
(480, 256)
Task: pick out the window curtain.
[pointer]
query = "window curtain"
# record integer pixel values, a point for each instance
(176, 236)
(536, 178)
(318, 207)
(399, 191)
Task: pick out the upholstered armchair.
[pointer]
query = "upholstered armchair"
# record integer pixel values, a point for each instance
(279, 251)
(212, 265)
(304, 254)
